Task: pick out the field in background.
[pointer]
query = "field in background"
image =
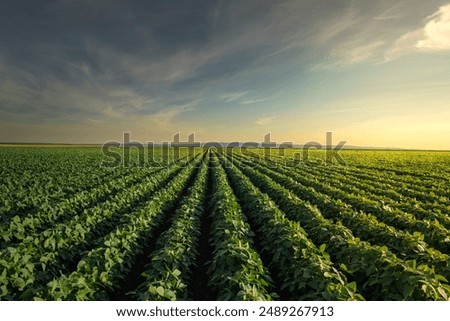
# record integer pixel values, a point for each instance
(223, 225)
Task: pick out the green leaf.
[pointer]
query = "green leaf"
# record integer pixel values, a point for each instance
(160, 290)
(176, 272)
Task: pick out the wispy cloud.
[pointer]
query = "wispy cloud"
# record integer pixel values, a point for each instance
(387, 17)
(252, 101)
(379, 31)
(353, 55)
(232, 96)
(240, 98)
(266, 120)
(437, 31)
(433, 36)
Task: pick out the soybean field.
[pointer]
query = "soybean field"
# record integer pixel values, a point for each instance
(223, 224)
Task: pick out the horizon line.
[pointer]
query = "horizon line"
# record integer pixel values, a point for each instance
(294, 146)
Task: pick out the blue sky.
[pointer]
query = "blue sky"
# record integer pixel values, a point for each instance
(375, 73)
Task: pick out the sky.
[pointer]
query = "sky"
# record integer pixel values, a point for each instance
(372, 72)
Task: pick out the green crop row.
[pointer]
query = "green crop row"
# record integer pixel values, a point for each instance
(48, 215)
(435, 234)
(32, 178)
(366, 226)
(101, 269)
(388, 194)
(40, 257)
(305, 270)
(170, 266)
(236, 270)
(424, 187)
(230, 228)
(378, 272)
